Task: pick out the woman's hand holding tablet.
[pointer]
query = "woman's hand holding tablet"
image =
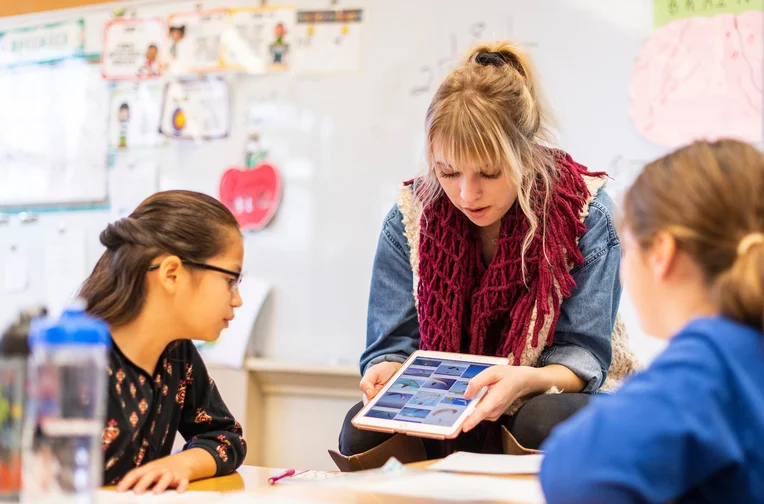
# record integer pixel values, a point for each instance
(376, 377)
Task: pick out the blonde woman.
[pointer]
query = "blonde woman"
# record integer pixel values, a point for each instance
(690, 428)
(503, 247)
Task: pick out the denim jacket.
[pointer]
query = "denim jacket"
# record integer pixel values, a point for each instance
(582, 338)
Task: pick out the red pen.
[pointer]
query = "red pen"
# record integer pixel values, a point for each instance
(286, 474)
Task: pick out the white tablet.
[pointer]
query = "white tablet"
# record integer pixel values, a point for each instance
(426, 396)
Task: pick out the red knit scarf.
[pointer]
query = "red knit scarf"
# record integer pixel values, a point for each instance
(465, 306)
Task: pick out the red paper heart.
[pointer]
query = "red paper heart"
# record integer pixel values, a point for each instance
(253, 195)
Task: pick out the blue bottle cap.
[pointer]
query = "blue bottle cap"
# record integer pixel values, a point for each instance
(74, 327)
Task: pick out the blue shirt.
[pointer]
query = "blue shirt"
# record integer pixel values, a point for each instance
(689, 428)
(582, 339)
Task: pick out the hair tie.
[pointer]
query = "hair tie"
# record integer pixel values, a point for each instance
(749, 241)
(491, 58)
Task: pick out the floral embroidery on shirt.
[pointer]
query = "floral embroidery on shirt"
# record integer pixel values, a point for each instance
(202, 416)
(222, 452)
(151, 415)
(138, 460)
(111, 462)
(110, 433)
(180, 397)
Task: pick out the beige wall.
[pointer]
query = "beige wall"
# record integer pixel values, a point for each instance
(291, 414)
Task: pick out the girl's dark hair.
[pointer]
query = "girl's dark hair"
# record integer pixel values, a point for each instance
(190, 225)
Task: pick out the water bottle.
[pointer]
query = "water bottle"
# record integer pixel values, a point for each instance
(63, 461)
(14, 351)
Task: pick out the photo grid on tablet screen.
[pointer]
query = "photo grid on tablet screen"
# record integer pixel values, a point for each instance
(430, 391)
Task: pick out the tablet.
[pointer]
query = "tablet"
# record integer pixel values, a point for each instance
(426, 396)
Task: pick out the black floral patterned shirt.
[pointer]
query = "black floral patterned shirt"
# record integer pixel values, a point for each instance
(145, 412)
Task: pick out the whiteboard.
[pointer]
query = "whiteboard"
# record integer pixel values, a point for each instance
(344, 143)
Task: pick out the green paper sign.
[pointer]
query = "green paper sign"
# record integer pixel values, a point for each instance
(667, 11)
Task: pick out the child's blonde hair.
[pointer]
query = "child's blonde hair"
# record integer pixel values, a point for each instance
(710, 197)
(489, 113)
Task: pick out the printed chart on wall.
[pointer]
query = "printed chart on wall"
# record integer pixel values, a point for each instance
(43, 44)
(132, 49)
(197, 109)
(194, 40)
(328, 41)
(259, 40)
(700, 74)
(53, 135)
(134, 113)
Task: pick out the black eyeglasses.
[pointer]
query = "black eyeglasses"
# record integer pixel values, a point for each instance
(236, 276)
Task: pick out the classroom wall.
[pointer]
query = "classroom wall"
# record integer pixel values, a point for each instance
(344, 143)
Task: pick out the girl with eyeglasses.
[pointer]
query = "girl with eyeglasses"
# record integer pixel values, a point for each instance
(170, 274)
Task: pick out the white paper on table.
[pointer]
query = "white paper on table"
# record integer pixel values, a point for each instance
(446, 486)
(485, 463)
(170, 497)
(16, 270)
(130, 182)
(65, 267)
(231, 348)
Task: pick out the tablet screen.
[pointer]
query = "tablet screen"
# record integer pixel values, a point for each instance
(430, 391)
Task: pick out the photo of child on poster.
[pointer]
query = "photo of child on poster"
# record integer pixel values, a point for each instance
(132, 49)
(176, 34)
(123, 117)
(150, 67)
(279, 47)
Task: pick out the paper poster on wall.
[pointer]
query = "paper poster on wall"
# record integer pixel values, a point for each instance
(132, 48)
(16, 270)
(65, 267)
(701, 77)
(259, 40)
(252, 194)
(43, 44)
(328, 41)
(53, 135)
(195, 40)
(666, 11)
(197, 109)
(134, 114)
(131, 180)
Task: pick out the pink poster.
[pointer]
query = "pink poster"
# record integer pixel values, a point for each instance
(701, 77)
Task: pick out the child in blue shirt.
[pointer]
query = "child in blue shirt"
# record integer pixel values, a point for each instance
(691, 427)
